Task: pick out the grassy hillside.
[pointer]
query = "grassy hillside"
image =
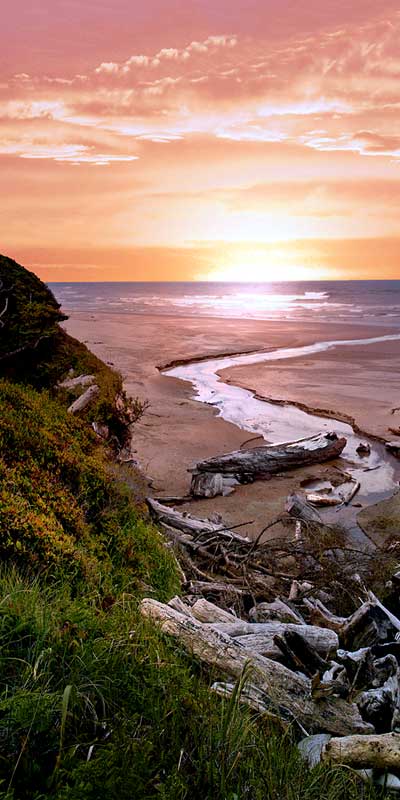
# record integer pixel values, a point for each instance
(95, 703)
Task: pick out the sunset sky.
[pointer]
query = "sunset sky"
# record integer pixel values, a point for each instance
(201, 139)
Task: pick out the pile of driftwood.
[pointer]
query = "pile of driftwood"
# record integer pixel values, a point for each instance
(234, 569)
(334, 679)
(307, 668)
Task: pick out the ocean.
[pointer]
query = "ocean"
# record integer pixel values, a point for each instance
(372, 302)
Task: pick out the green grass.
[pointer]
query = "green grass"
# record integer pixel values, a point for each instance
(98, 704)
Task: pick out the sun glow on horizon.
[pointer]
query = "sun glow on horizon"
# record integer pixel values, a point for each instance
(254, 266)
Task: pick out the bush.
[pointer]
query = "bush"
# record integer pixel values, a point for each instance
(60, 507)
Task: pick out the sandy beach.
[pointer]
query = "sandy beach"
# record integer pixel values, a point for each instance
(177, 431)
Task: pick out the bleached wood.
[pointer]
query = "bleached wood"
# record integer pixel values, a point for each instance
(84, 400)
(260, 462)
(277, 610)
(260, 635)
(288, 694)
(205, 611)
(189, 524)
(80, 380)
(323, 500)
(379, 751)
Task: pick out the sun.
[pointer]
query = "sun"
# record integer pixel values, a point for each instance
(255, 265)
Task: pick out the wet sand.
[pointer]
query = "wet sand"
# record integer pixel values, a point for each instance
(360, 384)
(177, 431)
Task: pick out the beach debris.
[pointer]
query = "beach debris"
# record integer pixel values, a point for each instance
(344, 704)
(72, 383)
(85, 400)
(212, 484)
(298, 507)
(352, 493)
(192, 525)
(377, 752)
(246, 466)
(322, 499)
(287, 694)
(278, 611)
(394, 448)
(363, 449)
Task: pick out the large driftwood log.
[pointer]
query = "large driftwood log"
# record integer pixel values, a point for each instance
(378, 752)
(288, 694)
(259, 636)
(261, 462)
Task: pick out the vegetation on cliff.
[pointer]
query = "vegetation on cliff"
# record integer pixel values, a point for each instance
(95, 702)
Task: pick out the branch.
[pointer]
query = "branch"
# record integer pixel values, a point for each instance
(2, 323)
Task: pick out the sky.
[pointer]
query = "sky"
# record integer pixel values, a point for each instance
(201, 140)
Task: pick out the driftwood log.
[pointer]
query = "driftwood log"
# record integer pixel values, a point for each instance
(246, 466)
(377, 752)
(208, 612)
(84, 400)
(287, 694)
(80, 380)
(371, 624)
(192, 525)
(259, 636)
(323, 500)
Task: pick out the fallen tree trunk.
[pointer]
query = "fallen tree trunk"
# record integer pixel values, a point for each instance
(377, 752)
(261, 462)
(288, 695)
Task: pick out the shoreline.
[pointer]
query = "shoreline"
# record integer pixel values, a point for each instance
(177, 431)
